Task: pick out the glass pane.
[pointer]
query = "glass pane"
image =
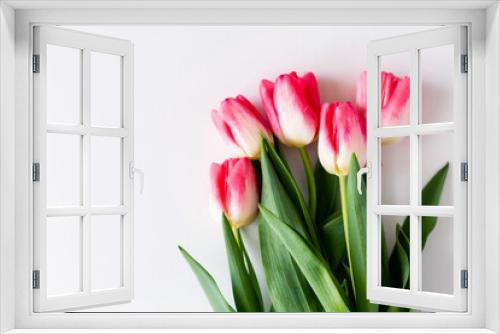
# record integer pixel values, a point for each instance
(106, 173)
(63, 255)
(106, 249)
(395, 171)
(395, 252)
(437, 254)
(436, 77)
(63, 85)
(394, 90)
(63, 170)
(437, 152)
(105, 90)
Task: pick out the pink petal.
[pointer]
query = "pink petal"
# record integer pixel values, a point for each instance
(298, 121)
(218, 187)
(395, 111)
(251, 108)
(327, 142)
(351, 135)
(361, 93)
(311, 91)
(223, 128)
(245, 125)
(242, 192)
(266, 90)
(388, 84)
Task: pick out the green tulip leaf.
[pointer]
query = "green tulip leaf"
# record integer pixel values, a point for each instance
(386, 270)
(208, 284)
(327, 188)
(311, 264)
(281, 273)
(292, 189)
(333, 240)
(399, 262)
(354, 206)
(245, 297)
(251, 271)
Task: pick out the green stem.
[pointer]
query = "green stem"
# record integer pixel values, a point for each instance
(237, 235)
(345, 218)
(310, 181)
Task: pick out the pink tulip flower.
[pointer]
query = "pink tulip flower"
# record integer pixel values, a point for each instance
(241, 125)
(342, 133)
(395, 94)
(292, 106)
(234, 191)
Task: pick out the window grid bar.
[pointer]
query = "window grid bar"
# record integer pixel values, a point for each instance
(86, 171)
(414, 171)
(419, 210)
(377, 156)
(82, 211)
(419, 129)
(84, 129)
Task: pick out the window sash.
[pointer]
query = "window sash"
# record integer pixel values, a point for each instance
(414, 297)
(86, 43)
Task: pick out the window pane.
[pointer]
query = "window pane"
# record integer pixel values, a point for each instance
(63, 170)
(106, 249)
(394, 90)
(106, 90)
(436, 77)
(63, 85)
(437, 254)
(63, 255)
(437, 151)
(106, 171)
(395, 171)
(395, 264)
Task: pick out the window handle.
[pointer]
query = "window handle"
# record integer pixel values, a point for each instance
(139, 172)
(364, 170)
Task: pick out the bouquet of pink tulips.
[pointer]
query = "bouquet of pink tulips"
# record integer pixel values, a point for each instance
(314, 250)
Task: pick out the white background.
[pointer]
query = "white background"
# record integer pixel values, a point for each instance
(181, 73)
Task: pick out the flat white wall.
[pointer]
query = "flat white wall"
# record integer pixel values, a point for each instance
(181, 73)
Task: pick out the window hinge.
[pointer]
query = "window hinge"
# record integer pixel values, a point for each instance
(36, 172)
(465, 64)
(36, 63)
(464, 279)
(464, 171)
(36, 279)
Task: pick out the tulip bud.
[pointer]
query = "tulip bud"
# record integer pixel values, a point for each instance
(234, 191)
(241, 125)
(394, 97)
(342, 133)
(292, 106)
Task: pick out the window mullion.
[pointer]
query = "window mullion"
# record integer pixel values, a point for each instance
(415, 256)
(86, 251)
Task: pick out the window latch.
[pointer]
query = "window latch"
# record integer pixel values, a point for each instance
(133, 171)
(365, 170)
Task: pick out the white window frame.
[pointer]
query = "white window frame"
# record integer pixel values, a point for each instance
(415, 297)
(87, 43)
(483, 17)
